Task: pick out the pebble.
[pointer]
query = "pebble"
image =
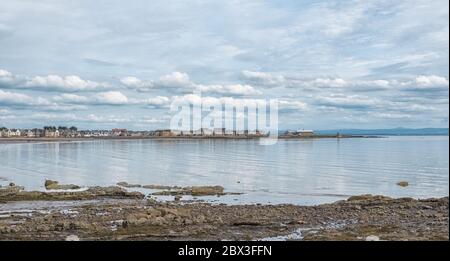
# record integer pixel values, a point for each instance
(72, 238)
(372, 238)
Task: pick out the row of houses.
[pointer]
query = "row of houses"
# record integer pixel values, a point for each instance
(64, 132)
(4, 132)
(304, 133)
(31, 133)
(50, 132)
(53, 132)
(207, 132)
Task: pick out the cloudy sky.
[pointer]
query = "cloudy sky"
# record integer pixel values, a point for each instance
(331, 64)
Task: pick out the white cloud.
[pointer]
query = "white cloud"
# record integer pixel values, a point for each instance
(66, 83)
(292, 105)
(172, 80)
(6, 78)
(329, 82)
(4, 74)
(181, 81)
(431, 81)
(136, 83)
(208, 101)
(262, 78)
(12, 98)
(111, 98)
(71, 83)
(233, 89)
(71, 98)
(20, 100)
(158, 101)
(101, 98)
(422, 82)
(175, 80)
(348, 101)
(91, 118)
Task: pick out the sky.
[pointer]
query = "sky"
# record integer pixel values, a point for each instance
(330, 64)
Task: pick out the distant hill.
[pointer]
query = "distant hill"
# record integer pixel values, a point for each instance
(396, 131)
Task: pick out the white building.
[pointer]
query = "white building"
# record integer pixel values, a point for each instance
(207, 132)
(219, 131)
(305, 132)
(230, 132)
(13, 133)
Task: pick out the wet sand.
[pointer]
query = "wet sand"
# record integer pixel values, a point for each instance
(112, 214)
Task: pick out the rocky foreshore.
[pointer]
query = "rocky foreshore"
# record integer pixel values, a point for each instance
(113, 213)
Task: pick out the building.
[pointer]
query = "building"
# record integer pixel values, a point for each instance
(67, 132)
(51, 133)
(219, 131)
(119, 132)
(14, 133)
(206, 132)
(30, 134)
(305, 133)
(3, 132)
(164, 133)
(187, 133)
(37, 133)
(197, 132)
(230, 132)
(240, 132)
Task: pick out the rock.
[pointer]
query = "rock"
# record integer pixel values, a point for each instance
(158, 221)
(206, 190)
(72, 238)
(154, 212)
(194, 191)
(167, 211)
(368, 197)
(126, 185)
(199, 219)
(10, 190)
(151, 201)
(107, 191)
(160, 187)
(178, 197)
(372, 238)
(402, 183)
(51, 184)
(16, 193)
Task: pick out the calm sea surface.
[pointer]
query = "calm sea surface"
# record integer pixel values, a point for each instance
(292, 171)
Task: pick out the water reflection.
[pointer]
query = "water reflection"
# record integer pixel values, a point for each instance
(292, 171)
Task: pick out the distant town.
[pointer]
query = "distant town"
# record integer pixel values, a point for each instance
(73, 132)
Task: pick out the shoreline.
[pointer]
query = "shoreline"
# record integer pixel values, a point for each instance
(112, 213)
(13, 140)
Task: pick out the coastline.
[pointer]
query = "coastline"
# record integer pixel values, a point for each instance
(13, 140)
(113, 213)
